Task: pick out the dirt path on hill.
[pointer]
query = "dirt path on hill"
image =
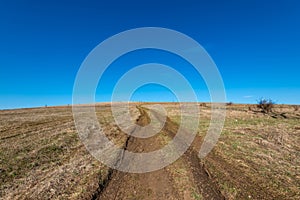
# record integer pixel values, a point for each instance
(184, 179)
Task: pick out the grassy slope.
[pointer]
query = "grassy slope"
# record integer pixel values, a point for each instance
(257, 156)
(41, 156)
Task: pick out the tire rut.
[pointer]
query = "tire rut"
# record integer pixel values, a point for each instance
(201, 175)
(160, 184)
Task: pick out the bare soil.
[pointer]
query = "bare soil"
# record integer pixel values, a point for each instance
(257, 156)
(161, 184)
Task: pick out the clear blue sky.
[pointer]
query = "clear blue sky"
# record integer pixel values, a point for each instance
(255, 44)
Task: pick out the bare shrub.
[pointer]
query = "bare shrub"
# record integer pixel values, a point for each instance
(265, 105)
(250, 108)
(203, 104)
(229, 103)
(296, 107)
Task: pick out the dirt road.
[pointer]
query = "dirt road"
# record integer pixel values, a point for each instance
(184, 179)
(256, 157)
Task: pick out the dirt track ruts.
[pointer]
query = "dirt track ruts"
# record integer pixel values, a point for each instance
(185, 179)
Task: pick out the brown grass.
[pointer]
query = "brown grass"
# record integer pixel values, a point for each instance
(256, 157)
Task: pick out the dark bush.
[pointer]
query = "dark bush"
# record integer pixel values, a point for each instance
(229, 103)
(203, 104)
(265, 105)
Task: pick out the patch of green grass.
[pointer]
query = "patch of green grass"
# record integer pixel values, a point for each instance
(235, 145)
(229, 190)
(195, 195)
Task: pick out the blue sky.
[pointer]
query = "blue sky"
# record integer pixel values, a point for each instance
(255, 45)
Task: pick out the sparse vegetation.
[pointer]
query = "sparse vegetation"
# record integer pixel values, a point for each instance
(249, 108)
(203, 104)
(256, 156)
(229, 103)
(265, 105)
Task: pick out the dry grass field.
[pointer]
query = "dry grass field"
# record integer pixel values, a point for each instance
(257, 157)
